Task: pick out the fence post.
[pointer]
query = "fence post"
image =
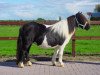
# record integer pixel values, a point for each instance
(73, 45)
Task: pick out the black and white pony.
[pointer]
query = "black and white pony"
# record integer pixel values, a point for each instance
(55, 36)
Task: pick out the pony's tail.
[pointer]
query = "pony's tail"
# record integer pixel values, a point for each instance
(19, 48)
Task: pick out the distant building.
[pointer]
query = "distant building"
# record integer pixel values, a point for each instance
(94, 15)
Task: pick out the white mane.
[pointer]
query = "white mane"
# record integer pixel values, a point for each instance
(61, 28)
(47, 25)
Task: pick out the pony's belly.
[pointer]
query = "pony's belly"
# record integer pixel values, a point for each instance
(45, 44)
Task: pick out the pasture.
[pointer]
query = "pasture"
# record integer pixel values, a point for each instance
(83, 47)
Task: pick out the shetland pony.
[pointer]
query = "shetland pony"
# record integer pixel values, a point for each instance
(55, 36)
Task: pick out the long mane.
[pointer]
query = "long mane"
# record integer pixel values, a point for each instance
(61, 28)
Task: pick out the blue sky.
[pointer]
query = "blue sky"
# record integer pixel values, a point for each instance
(47, 9)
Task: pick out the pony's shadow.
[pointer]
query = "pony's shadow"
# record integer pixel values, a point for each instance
(12, 63)
(84, 62)
(8, 63)
(39, 60)
(44, 59)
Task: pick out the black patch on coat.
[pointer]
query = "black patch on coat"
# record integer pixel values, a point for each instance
(33, 31)
(28, 33)
(53, 38)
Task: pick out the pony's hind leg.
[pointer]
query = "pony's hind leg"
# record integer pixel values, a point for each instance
(23, 52)
(20, 52)
(24, 56)
(20, 59)
(27, 60)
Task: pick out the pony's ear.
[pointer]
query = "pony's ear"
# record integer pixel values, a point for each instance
(79, 12)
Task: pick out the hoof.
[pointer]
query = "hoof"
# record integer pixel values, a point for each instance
(61, 65)
(54, 63)
(29, 63)
(20, 65)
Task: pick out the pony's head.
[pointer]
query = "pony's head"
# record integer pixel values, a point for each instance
(82, 21)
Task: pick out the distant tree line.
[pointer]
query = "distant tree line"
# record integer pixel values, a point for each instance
(37, 20)
(14, 20)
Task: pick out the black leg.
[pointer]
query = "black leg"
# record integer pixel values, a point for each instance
(27, 53)
(20, 53)
(23, 52)
(20, 56)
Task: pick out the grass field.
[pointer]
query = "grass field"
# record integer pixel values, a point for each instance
(83, 47)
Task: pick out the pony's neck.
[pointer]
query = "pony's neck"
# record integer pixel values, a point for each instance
(71, 24)
(61, 28)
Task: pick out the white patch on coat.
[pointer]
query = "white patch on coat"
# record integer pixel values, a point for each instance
(61, 28)
(48, 25)
(45, 44)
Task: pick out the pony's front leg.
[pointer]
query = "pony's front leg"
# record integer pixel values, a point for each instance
(60, 58)
(60, 54)
(54, 56)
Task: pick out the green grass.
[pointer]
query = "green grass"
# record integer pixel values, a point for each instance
(8, 47)
(9, 31)
(93, 31)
